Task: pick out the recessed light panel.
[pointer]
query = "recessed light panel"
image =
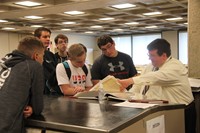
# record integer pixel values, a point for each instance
(8, 28)
(3, 21)
(123, 6)
(36, 26)
(69, 22)
(106, 18)
(172, 19)
(66, 29)
(118, 30)
(28, 3)
(89, 32)
(74, 12)
(96, 26)
(33, 17)
(132, 23)
(152, 13)
(151, 27)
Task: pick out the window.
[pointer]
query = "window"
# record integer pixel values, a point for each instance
(123, 44)
(183, 47)
(140, 51)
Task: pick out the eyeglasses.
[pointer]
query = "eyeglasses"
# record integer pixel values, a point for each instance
(108, 47)
(61, 42)
(152, 56)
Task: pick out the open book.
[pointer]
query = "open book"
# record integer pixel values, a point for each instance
(117, 96)
(109, 83)
(111, 88)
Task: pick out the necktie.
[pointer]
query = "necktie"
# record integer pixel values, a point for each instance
(146, 87)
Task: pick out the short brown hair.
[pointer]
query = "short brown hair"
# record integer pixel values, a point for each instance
(103, 40)
(161, 45)
(76, 50)
(38, 31)
(29, 45)
(62, 36)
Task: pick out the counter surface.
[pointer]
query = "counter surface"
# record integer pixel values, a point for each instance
(78, 115)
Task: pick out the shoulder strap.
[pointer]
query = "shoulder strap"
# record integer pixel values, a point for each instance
(67, 69)
(85, 69)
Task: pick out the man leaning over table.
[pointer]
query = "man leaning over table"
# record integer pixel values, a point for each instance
(21, 85)
(78, 80)
(165, 78)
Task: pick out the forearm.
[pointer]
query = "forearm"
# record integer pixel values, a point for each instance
(69, 90)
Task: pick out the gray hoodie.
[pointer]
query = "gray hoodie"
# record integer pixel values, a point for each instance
(21, 84)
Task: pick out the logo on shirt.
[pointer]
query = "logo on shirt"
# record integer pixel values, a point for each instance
(112, 67)
(79, 79)
(4, 71)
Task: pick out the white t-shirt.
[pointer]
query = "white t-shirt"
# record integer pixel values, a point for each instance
(78, 77)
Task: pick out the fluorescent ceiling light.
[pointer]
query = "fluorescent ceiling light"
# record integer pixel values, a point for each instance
(66, 29)
(28, 3)
(123, 6)
(96, 26)
(132, 23)
(2, 21)
(106, 18)
(8, 28)
(89, 32)
(36, 26)
(152, 13)
(74, 12)
(118, 29)
(69, 22)
(171, 19)
(185, 23)
(150, 27)
(33, 17)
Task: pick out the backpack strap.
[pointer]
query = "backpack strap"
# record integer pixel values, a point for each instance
(85, 70)
(68, 71)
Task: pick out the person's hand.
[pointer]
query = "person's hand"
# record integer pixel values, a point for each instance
(125, 83)
(79, 89)
(28, 111)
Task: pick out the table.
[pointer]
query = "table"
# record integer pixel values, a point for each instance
(196, 94)
(87, 116)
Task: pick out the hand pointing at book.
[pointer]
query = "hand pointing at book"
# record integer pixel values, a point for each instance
(125, 83)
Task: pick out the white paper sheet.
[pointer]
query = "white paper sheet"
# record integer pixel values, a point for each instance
(135, 105)
(194, 82)
(156, 125)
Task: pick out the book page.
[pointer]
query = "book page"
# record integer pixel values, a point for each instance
(122, 96)
(110, 84)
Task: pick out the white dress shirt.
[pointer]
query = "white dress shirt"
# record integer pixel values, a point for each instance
(170, 83)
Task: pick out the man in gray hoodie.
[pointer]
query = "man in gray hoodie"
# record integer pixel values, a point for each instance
(21, 85)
